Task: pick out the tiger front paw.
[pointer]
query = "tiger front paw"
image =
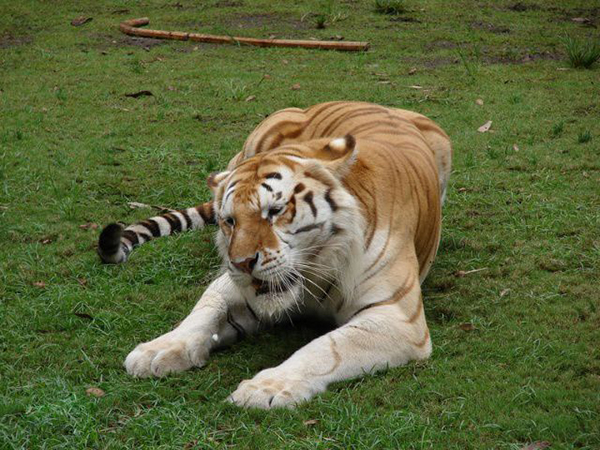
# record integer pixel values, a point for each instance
(271, 390)
(166, 354)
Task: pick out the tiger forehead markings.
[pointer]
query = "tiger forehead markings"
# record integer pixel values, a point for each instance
(332, 212)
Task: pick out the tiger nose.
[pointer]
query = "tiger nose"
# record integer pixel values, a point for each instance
(246, 265)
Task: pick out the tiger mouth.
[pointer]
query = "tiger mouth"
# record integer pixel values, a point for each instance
(263, 287)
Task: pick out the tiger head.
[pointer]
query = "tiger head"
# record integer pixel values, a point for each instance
(285, 219)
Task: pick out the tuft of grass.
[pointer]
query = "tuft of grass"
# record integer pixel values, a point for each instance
(471, 61)
(582, 53)
(326, 15)
(390, 7)
(557, 129)
(584, 137)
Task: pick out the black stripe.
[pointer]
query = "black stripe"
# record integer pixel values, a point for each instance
(252, 311)
(231, 191)
(146, 236)
(132, 236)
(188, 221)
(308, 198)
(267, 187)
(238, 328)
(308, 228)
(332, 204)
(152, 226)
(273, 175)
(207, 219)
(174, 222)
(335, 229)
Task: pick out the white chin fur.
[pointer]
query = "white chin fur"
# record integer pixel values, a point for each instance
(274, 306)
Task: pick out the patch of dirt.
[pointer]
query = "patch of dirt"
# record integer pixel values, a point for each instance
(440, 44)
(590, 16)
(522, 7)
(260, 20)
(430, 63)
(521, 57)
(9, 41)
(106, 41)
(228, 4)
(405, 19)
(490, 27)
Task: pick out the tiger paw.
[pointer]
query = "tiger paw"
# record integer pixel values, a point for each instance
(268, 390)
(165, 355)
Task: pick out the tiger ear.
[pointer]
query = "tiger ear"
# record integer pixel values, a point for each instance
(341, 154)
(214, 180)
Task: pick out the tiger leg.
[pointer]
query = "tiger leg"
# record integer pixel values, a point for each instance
(376, 338)
(220, 317)
(115, 242)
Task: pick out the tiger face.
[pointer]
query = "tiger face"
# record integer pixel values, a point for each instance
(283, 217)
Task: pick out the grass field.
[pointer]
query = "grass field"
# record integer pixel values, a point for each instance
(516, 342)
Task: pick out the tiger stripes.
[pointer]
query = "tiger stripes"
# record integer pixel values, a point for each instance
(116, 242)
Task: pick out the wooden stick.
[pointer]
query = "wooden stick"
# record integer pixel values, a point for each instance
(130, 27)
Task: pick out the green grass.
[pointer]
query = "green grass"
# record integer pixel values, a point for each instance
(390, 7)
(582, 53)
(523, 204)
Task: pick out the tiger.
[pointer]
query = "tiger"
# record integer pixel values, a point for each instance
(332, 212)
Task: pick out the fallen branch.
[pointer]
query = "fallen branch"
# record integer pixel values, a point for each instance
(130, 27)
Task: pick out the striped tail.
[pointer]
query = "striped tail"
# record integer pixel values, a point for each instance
(116, 242)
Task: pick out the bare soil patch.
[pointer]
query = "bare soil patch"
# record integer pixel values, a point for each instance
(490, 27)
(10, 41)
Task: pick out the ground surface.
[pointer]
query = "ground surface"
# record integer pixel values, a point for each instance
(516, 357)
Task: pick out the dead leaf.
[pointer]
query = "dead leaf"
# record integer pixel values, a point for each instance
(84, 316)
(285, 61)
(82, 281)
(250, 98)
(462, 189)
(310, 422)
(584, 20)
(81, 20)
(140, 94)
(337, 37)
(296, 87)
(539, 445)
(46, 241)
(89, 225)
(516, 147)
(272, 36)
(485, 127)
(190, 444)
(504, 292)
(95, 392)
(462, 273)
(137, 205)
(412, 71)
(39, 284)
(416, 86)
(384, 82)
(266, 76)
(171, 88)
(466, 326)
(479, 101)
